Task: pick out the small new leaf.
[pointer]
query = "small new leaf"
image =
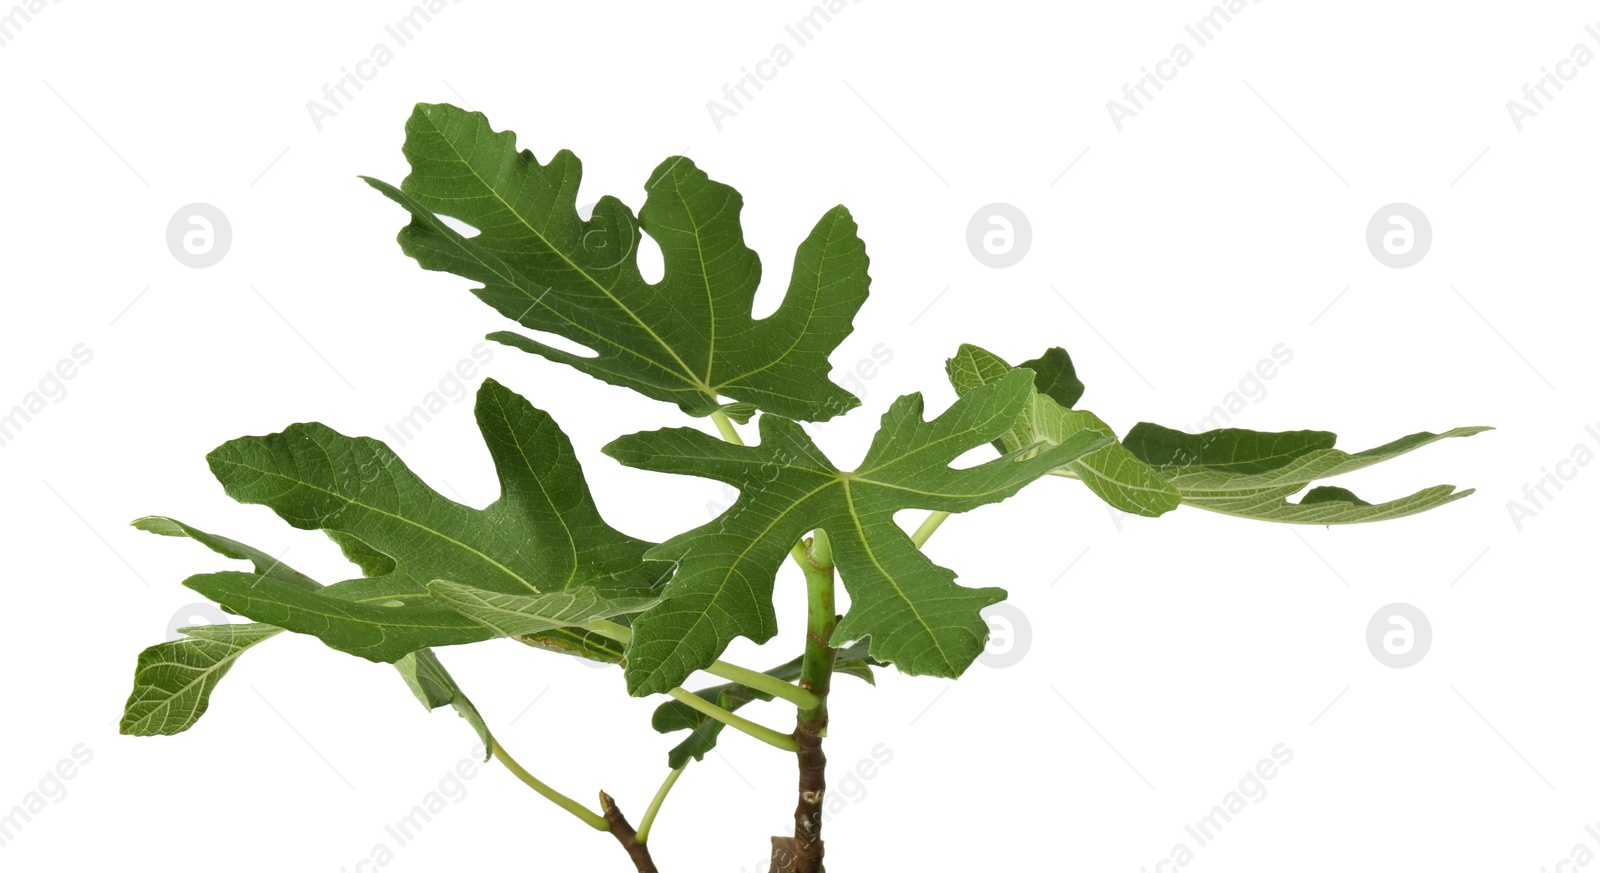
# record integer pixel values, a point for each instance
(1111, 471)
(687, 339)
(1054, 376)
(434, 687)
(173, 681)
(917, 617)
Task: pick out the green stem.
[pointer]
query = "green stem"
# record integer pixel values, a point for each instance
(816, 667)
(726, 428)
(582, 812)
(655, 803)
(929, 525)
(811, 725)
(711, 710)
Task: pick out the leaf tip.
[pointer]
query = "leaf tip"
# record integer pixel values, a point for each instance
(159, 525)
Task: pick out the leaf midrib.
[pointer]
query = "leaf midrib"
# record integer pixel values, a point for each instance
(1426, 499)
(866, 546)
(722, 584)
(800, 334)
(516, 437)
(691, 377)
(384, 512)
(205, 675)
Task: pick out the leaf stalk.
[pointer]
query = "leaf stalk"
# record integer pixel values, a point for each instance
(655, 803)
(928, 526)
(583, 813)
(731, 672)
(705, 707)
(725, 427)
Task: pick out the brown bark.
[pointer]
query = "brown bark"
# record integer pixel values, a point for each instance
(808, 848)
(638, 853)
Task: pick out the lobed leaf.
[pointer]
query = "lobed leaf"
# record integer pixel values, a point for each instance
(688, 339)
(1238, 472)
(1112, 472)
(543, 534)
(916, 616)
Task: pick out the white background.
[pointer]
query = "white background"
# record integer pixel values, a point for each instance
(1222, 220)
